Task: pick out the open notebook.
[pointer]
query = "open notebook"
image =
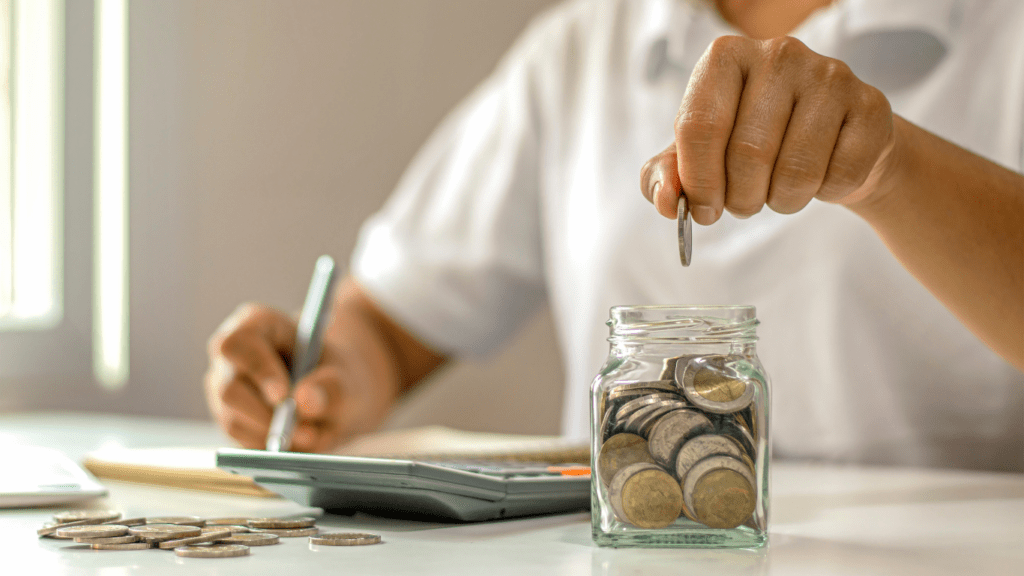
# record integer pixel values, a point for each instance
(195, 468)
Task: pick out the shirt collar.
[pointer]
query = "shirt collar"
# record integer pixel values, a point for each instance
(674, 33)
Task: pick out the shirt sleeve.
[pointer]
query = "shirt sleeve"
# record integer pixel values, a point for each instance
(455, 254)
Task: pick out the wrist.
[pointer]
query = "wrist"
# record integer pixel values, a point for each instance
(886, 184)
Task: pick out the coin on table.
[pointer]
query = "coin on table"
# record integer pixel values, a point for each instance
(645, 496)
(50, 528)
(672, 430)
(303, 522)
(292, 532)
(620, 451)
(714, 387)
(252, 539)
(345, 539)
(700, 447)
(94, 516)
(179, 520)
(127, 522)
(230, 521)
(93, 531)
(234, 529)
(126, 539)
(720, 492)
(684, 228)
(202, 538)
(212, 551)
(160, 532)
(128, 546)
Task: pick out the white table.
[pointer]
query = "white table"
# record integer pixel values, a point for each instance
(824, 520)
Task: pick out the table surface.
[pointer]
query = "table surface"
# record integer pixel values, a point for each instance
(824, 520)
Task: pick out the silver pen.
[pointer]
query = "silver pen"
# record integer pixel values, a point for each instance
(308, 342)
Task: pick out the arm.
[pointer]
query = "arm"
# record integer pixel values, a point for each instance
(772, 123)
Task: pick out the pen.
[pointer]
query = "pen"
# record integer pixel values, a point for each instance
(307, 350)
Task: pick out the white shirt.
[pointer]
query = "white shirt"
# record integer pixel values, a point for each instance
(529, 192)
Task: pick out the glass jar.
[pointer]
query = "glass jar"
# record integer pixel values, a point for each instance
(679, 430)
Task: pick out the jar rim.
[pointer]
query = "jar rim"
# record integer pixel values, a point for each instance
(694, 323)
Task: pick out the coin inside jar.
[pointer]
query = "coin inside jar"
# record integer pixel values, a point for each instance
(672, 430)
(700, 447)
(620, 451)
(645, 496)
(713, 387)
(719, 491)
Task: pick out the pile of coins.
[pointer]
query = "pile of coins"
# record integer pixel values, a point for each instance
(681, 445)
(189, 536)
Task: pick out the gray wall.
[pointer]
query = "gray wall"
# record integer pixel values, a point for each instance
(261, 134)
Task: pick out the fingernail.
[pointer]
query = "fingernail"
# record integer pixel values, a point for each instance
(703, 214)
(655, 188)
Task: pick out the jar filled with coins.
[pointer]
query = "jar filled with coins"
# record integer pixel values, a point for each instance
(679, 430)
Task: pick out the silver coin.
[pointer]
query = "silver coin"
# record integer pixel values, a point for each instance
(93, 516)
(634, 405)
(344, 539)
(739, 433)
(292, 532)
(211, 536)
(127, 522)
(672, 430)
(160, 532)
(50, 528)
(229, 527)
(128, 546)
(303, 522)
(126, 539)
(668, 369)
(252, 539)
(179, 520)
(685, 230)
(707, 465)
(93, 531)
(619, 481)
(713, 367)
(231, 521)
(626, 387)
(643, 417)
(212, 551)
(700, 447)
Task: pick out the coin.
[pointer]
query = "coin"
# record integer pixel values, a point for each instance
(180, 520)
(212, 551)
(93, 516)
(127, 522)
(93, 531)
(292, 532)
(668, 369)
(634, 405)
(161, 532)
(252, 539)
(739, 433)
(672, 430)
(719, 491)
(211, 536)
(641, 421)
(235, 521)
(230, 528)
(303, 522)
(129, 546)
(700, 447)
(684, 227)
(126, 539)
(50, 528)
(620, 451)
(711, 386)
(645, 496)
(626, 387)
(345, 539)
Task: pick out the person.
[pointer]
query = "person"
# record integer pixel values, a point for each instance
(888, 274)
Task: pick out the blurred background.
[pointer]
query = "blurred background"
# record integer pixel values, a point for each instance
(259, 134)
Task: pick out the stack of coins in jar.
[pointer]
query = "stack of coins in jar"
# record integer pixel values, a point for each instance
(679, 459)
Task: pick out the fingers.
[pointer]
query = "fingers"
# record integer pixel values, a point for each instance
(704, 124)
(319, 406)
(804, 156)
(256, 341)
(659, 182)
(864, 136)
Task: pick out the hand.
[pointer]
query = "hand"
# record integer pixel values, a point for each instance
(771, 122)
(248, 375)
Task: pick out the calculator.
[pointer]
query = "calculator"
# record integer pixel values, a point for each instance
(463, 491)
